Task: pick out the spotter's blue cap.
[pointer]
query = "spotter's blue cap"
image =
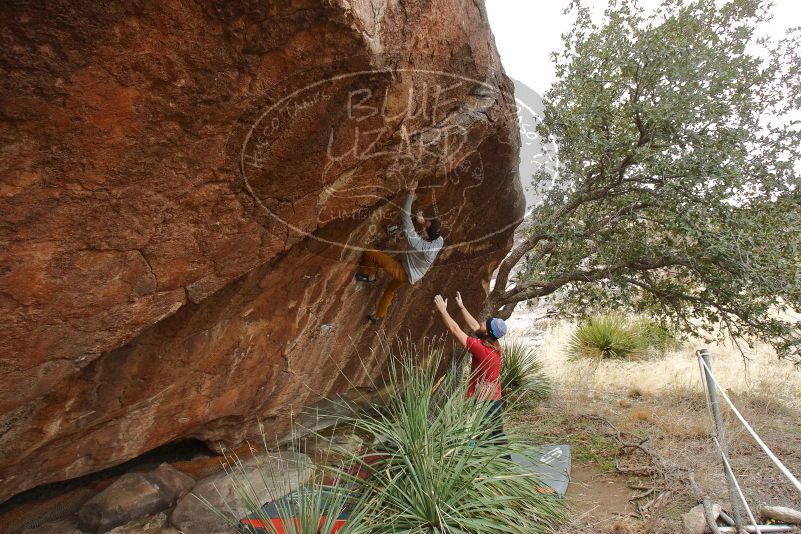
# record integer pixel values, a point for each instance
(496, 327)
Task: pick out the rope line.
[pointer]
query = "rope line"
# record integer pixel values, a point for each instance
(786, 472)
(706, 396)
(737, 486)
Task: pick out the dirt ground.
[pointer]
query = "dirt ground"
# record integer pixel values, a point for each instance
(659, 404)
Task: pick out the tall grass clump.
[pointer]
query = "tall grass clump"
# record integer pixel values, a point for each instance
(654, 335)
(605, 337)
(522, 372)
(438, 469)
(613, 336)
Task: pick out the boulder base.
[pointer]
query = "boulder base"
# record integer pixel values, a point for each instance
(134, 496)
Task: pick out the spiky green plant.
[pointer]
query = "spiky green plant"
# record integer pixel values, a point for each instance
(605, 337)
(434, 466)
(521, 372)
(438, 468)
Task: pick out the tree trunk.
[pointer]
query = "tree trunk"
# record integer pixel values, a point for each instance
(492, 309)
(487, 310)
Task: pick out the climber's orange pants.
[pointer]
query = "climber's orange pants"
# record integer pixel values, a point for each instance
(373, 260)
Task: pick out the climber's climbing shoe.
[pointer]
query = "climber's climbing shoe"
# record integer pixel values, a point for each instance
(362, 277)
(375, 321)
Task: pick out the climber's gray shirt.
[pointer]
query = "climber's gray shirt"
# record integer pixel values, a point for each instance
(423, 253)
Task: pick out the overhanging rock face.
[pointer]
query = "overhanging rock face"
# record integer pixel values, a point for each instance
(185, 189)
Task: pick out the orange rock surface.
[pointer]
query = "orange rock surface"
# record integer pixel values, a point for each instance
(185, 189)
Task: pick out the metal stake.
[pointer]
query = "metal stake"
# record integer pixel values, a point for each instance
(720, 430)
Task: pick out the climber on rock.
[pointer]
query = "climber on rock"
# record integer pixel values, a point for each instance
(424, 247)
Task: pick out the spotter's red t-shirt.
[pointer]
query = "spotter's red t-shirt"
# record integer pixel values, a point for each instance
(485, 370)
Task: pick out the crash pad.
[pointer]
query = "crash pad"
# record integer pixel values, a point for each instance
(551, 463)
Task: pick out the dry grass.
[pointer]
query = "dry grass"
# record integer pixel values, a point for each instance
(641, 414)
(755, 376)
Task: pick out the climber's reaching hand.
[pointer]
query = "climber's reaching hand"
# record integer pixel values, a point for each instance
(468, 317)
(442, 306)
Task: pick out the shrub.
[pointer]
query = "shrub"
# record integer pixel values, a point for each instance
(439, 469)
(654, 335)
(605, 337)
(615, 336)
(521, 372)
(434, 466)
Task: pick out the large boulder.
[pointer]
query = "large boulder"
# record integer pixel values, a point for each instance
(156, 524)
(185, 188)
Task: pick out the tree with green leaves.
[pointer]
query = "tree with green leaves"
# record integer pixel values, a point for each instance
(677, 192)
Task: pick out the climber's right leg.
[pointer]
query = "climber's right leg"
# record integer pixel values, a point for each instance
(389, 295)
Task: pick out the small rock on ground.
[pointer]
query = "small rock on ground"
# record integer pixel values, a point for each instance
(695, 520)
(62, 526)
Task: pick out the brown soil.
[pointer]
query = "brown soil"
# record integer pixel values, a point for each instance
(677, 427)
(596, 498)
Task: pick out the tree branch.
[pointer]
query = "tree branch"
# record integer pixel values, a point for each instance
(540, 288)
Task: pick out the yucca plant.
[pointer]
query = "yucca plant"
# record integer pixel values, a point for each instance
(433, 467)
(604, 337)
(313, 508)
(521, 372)
(436, 468)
